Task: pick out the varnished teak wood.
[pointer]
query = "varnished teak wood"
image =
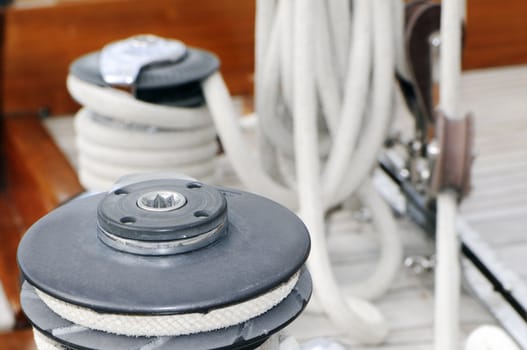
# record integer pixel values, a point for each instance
(10, 233)
(17, 340)
(496, 33)
(43, 40)
(39, 177)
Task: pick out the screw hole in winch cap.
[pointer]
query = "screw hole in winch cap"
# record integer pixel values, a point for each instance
(201, 214)
(128, 220)
(194, 185)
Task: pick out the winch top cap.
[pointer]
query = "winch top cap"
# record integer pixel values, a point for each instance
(145, 62)
(162, 210)
(262, 246)
(120, 62)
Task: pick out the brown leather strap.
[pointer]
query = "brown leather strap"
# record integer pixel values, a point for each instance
(423, 18)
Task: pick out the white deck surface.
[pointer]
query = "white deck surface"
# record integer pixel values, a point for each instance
(497, 209)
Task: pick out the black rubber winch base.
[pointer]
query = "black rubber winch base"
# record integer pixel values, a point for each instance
(264, 245)
(261, 245)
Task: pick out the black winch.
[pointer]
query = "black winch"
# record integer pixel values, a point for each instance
(171, 77)
(164, 261)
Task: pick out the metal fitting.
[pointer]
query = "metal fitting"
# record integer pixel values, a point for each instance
(455, 139)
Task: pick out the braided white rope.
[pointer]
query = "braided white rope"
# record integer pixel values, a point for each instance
(343, 94)
(99, 181)
(118, 135)
(447, 272)
(273, 343)
(44, 343)
(170, 325)
(126, 108)
(104, 131)
(145, 157)
(110, 170)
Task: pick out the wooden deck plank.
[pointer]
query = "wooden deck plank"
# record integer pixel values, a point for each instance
(497, 206)
(10, 233)
(36, 68)
(17, 340)
(39, 178)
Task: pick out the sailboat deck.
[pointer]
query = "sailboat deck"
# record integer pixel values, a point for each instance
(496, 209)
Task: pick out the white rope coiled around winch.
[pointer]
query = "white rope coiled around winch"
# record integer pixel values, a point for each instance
(118, 135)
(324, 92)
(170, 325)
(45, 343)
(275, 342)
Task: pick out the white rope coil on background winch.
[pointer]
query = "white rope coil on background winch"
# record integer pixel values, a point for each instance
(118, 135)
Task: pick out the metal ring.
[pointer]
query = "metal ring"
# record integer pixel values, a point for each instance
(160, 247)
(161, 201)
